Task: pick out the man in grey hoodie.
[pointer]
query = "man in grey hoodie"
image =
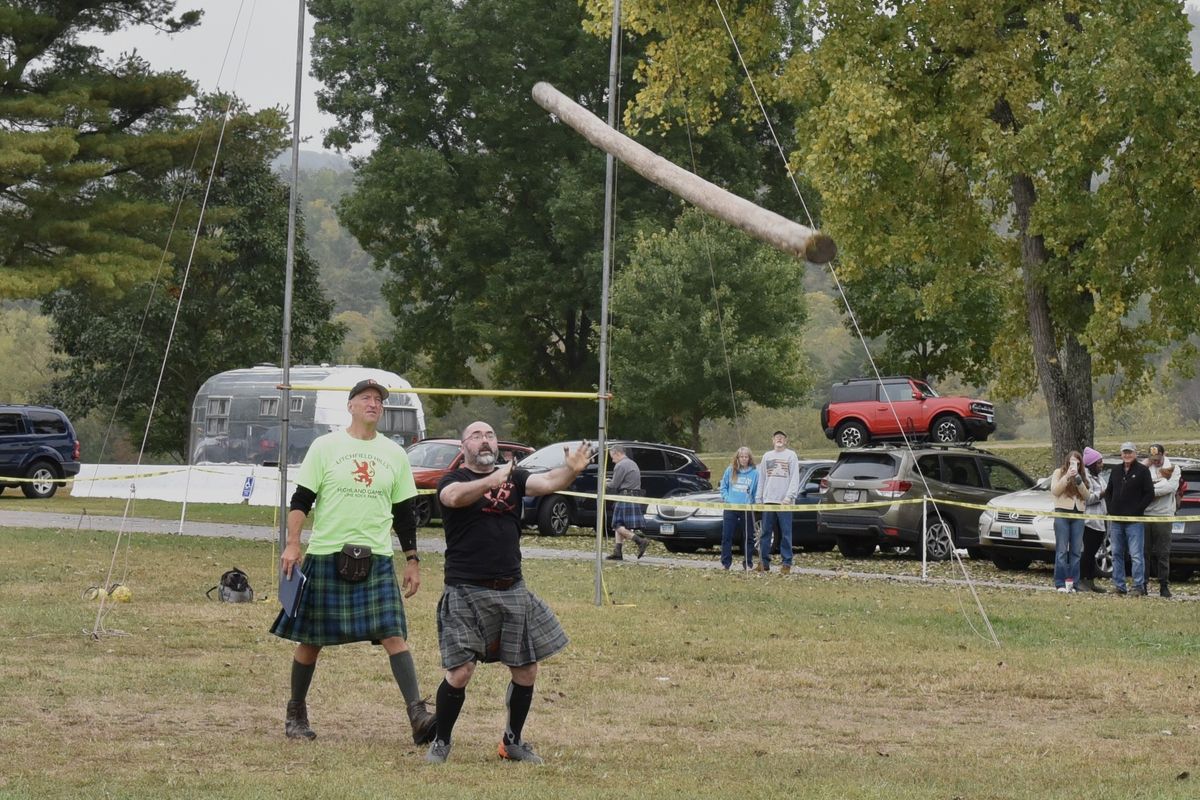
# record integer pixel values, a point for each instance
(778, 483)
(1158, 534)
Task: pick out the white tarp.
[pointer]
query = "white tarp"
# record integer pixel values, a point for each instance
(208, 483)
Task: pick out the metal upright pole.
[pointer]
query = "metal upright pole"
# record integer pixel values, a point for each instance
(610, 175)
(285, 401)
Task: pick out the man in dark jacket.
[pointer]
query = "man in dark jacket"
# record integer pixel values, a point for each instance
(1130, 490)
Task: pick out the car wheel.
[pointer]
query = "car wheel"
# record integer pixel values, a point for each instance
(554, 516)
(676, 547)
(855, 548)
(1104, 559)
(939, 540)
(42, 476)
(423, 510)
(851, 434)
(1182, 574)
(948, 429)
(1011, 562)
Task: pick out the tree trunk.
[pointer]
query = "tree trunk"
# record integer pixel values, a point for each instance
(1065, 375)
(696, 420)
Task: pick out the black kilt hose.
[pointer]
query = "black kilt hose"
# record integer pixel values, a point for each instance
(335, 611)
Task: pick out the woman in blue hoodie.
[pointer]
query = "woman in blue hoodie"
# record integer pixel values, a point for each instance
(738, 486)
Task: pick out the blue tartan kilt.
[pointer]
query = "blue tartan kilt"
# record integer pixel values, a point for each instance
(627, 514)
(334, 611)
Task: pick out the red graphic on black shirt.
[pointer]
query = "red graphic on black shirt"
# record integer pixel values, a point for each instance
(363, 472)
(499, 500)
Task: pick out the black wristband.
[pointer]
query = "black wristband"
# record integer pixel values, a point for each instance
(413, 557)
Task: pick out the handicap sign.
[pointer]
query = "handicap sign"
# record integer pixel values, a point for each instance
(248, 489)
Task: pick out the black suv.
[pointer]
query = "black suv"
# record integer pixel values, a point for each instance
(667, 471)
(37, 443)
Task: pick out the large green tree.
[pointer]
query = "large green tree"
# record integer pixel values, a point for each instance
(485, 213)
(74, 128)
(1052, 144)
(704, 321)
(231, 308)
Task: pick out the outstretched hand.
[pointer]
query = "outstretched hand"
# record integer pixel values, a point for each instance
(578, 458)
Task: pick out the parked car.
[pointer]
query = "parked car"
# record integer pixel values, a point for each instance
(684, 528)
(37, 443)
(880, 474)
(667, 471)
(1013, 539)
(862, 410)
(433, 458)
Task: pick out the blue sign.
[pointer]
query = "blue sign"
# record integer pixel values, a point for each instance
(248, 489)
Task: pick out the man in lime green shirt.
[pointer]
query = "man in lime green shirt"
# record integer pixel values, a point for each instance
(362, 485)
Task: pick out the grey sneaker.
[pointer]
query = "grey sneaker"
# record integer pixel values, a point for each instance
(519, 751)
(439, 751)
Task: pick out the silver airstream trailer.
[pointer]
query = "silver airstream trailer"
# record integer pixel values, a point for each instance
(236, 419)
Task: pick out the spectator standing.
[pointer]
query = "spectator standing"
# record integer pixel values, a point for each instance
(626, 479)
(1130, 490)
(1158, 533)
(1070, 492)
(778, 483)
(738, 487)
(1093, 529)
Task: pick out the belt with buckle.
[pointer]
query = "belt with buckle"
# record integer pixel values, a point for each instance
(499, 584)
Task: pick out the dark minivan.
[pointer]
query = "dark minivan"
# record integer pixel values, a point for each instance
(38, 445)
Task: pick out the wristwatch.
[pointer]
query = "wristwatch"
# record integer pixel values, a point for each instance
(413, 557)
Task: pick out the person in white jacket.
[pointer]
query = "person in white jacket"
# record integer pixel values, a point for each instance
(778, 484)
(1158, 533)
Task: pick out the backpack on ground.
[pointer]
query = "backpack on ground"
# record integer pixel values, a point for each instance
(234, 587)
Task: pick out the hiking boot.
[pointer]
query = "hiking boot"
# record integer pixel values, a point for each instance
(423, 721)
(1163, 589)
(295, 725)
(616, 554)
(642, 543)
(786, 569)
(439, 751)
(519, 751)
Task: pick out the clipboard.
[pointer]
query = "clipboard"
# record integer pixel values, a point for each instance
(291, 590)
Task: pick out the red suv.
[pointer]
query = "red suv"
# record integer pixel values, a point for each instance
(864, 409)
(433, 458)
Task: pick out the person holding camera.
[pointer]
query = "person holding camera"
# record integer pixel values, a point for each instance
(1070, 492)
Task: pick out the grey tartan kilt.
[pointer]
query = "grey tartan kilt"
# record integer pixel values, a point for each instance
(512, 626)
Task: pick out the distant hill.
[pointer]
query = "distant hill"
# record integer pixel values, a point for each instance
(312, 161)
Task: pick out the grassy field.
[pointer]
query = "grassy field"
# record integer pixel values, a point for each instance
(700, 684)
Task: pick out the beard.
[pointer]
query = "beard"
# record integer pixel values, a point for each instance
(485, 458)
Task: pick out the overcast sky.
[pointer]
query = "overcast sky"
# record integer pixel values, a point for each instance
(260, 36)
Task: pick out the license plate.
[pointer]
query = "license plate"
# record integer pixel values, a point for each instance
(666, 528)
(850, 496)
(1176, 527)
(1010, 532)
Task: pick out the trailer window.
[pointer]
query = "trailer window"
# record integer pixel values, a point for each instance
(268, 406)
(218, 415)
(397, 420)
(296, 404)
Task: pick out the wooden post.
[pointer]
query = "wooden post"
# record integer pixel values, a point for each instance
(775, 230)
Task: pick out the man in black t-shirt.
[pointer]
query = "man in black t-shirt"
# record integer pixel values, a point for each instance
(486, 613)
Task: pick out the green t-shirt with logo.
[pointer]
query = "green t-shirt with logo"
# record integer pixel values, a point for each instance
(356, 483)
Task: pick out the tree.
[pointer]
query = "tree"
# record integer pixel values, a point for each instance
(1044, 148)
(73, 129)
(232, 310)
(485, 213)
(704, 320)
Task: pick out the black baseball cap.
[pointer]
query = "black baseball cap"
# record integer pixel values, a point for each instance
(369, 383)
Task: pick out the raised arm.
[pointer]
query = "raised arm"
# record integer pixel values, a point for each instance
(461, 494)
